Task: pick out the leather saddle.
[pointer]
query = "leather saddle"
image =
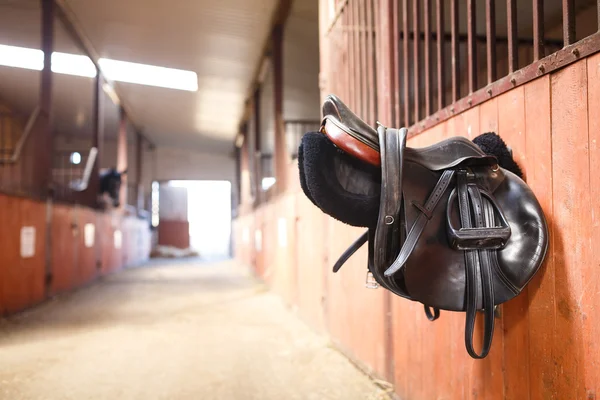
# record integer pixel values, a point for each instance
(451, 228)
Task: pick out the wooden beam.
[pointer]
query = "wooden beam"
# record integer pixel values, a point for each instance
(281, 155)
(139, 164)
(97, 142)
(279, 17)
(122, 157)
(72, 25)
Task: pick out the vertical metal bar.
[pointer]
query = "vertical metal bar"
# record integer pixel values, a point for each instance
(396, 81)
(454, 45)
(350, 56)
(441, 79)
(372, 84)
(471, 49)
(538, 30)
(427, 57)
(405, 54)
(568, 10)
(362, 73)
(356, 71)
(417, 56)
(511, 29)
(490, 33)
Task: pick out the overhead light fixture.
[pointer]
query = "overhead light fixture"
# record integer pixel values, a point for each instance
(72, 64)
(151, 75)
(21, 57)
(79, 65)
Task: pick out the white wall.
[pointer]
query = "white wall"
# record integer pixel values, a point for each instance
(301, 62)
(179, 164)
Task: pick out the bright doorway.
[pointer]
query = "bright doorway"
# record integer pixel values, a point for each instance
(209, 217)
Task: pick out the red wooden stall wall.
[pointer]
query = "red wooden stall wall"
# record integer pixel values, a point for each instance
(546, 342)
(72, 263)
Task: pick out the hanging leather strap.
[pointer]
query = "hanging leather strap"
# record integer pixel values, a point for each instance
(350, 251)
(421, 222)
(476, 261)
(431, 316)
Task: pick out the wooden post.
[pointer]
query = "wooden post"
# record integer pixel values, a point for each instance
(253, 153)
(139, 163)
(97, 142)
(280, 155)
(122, 156)
(44, 143)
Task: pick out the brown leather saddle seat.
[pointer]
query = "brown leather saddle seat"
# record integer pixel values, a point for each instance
(453, 230)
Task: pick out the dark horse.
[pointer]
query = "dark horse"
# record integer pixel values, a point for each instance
(110, 183)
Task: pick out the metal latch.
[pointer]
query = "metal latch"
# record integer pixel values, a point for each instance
(370, 282)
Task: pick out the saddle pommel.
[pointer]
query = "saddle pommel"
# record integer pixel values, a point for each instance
(348, 132)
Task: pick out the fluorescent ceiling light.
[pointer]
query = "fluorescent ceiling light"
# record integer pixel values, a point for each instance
(143, 74)
(72, 64)
(21, 57)
(121, 71)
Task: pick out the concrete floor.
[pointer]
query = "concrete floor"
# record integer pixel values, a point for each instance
(172, 331)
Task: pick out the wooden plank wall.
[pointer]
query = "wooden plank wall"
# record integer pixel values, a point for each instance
(22, 280)
(546, 341)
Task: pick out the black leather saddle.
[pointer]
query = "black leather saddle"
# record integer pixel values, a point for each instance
(447, 226)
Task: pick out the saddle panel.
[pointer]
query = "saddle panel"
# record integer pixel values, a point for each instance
(435, 272)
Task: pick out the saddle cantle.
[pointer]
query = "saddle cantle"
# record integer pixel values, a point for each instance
(451, 229)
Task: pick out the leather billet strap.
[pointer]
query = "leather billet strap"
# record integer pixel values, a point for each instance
(350, 251)
(469, 195)
(393, 143)
(421, 221)
(431, 316)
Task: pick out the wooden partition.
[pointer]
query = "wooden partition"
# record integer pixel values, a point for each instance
(72, 261)
(546, 340)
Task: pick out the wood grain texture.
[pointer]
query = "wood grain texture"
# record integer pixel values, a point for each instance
(64, 243)
(571, 212)
(22, 279)
(591, 294)
(511, 127)
(542, 370)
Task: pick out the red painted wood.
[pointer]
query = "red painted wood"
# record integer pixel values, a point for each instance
(21, 279)
(571, 213)
(591, 300)
(542, 370)
(313, 270)
(64, 243)
(511, 118)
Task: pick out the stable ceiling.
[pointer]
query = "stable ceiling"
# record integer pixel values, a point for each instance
(220, 40)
